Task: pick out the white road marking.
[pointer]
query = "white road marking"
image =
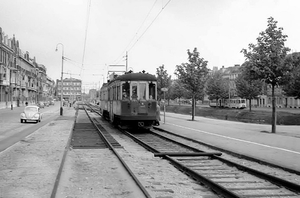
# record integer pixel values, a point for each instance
(249, 142)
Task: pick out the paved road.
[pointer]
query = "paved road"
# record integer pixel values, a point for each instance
(12, 131)
(255, 140)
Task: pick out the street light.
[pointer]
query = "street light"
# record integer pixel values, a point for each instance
(61, 81)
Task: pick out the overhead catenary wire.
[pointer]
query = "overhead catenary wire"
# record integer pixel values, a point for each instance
(163, 7)
(121, 55)
(85, 37)
(149, 25)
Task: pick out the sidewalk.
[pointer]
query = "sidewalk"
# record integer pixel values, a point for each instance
(29, 168)
(287, 130)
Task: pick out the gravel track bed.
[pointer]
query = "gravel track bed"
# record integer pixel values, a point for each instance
(160, 177)
(95, 173)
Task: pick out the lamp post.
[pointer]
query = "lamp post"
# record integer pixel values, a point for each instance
(61, 81)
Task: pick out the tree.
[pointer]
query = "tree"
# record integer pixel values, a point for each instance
(247, 85)
(177, 90)
(217, 87)
(193, 75)
(291, 86)
(267, 59)
(163, 80)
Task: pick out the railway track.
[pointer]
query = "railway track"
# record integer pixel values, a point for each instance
(87, 134)
(290, 174)
(226, 178)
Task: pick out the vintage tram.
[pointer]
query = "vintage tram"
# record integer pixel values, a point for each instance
(130, 100)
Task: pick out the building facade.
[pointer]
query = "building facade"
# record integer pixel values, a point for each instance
(265, 98)
(22, 79)
(71, 89)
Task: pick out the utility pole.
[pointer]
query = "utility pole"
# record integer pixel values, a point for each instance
(126, 61)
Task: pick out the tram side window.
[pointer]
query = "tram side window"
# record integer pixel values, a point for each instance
(142, 90)
(114, 92)
(118, 92)
(152, 88)
(111, 94)
(125, 91)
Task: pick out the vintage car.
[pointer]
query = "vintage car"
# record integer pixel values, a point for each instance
(41, 104)
(31, 113)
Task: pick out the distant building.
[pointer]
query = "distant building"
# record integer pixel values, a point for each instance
(93, 94)
(265, 98)
(71, 89)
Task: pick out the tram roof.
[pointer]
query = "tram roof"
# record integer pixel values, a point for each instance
(136, 77)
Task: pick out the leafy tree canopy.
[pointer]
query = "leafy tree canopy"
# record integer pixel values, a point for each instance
(217, 87)
(246, 83)
(193, 74)
(291, 86)
(163, 80)
(267, 56)
(177, 90)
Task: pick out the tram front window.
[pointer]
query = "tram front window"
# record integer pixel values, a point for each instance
(125, 91)
(142, 91)
(152, 88)
(134, 95)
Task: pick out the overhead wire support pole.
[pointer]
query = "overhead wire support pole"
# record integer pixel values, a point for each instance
(85, 37)
(61, 81)
(126, 61)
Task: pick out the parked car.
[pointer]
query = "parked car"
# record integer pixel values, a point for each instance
(47, 103)
(41, 104)
(31, 113)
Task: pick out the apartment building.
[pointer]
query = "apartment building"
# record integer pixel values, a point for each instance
(71, 89)
(22, 79)
(265, 98)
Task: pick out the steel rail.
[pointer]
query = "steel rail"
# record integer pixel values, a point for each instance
(288, 185)
(57, 179)
(143, 189)
(229, 152)
(278, 181)
(214, 186)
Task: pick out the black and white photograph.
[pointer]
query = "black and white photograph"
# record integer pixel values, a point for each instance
(149, 99)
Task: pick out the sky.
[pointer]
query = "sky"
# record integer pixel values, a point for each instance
(94, 35)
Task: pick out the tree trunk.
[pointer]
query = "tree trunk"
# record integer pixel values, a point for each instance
(274, 117)
(193, 108)
(249, 104)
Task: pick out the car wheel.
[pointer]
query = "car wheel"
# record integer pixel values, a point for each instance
(21, 120)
